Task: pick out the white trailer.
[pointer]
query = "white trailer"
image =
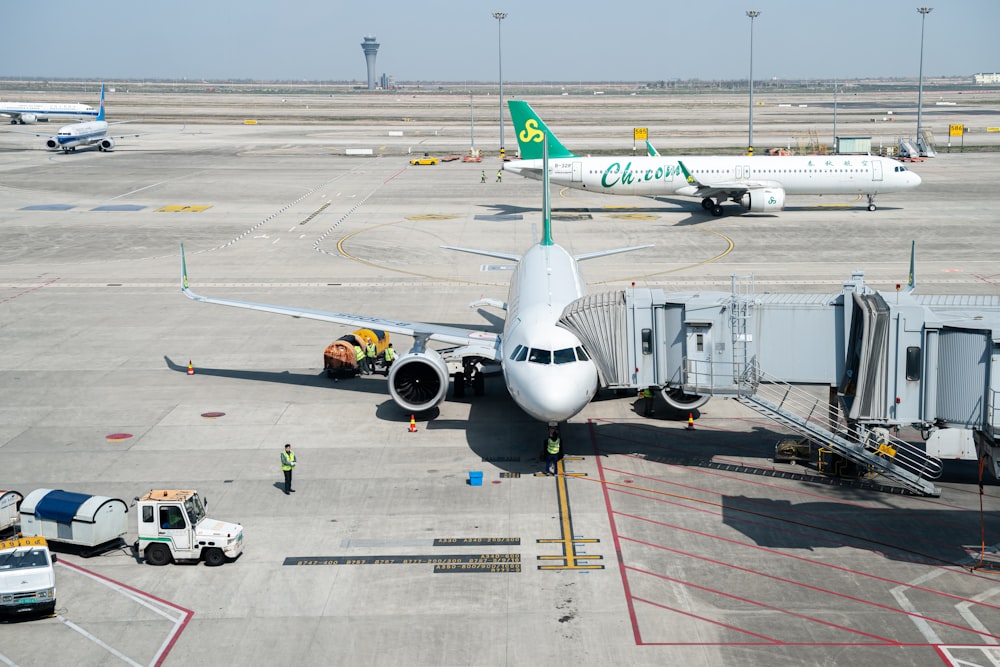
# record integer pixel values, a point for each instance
(73, 518)
(9, 502)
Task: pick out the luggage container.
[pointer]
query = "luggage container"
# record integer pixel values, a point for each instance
(9, 502)
(73, 518)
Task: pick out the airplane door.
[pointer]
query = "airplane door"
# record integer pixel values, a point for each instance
(876, 170)
(577, 172)
(742, 172)
(699, 355)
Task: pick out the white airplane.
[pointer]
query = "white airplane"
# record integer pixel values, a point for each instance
(90, 133)
(27, 113)
(758, 183)
(546, 369)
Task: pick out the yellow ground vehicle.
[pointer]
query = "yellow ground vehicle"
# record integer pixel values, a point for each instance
(426, 159)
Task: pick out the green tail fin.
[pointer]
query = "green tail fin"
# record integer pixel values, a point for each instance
(530, 130)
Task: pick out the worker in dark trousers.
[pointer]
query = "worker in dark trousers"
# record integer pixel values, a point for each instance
(552, 448)
(499, 175)
(287, 465)
(359, 358)
(370, 357)
(647, 406)
(389, 356)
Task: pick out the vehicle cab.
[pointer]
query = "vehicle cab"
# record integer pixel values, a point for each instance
(173, 525)
(27, 578)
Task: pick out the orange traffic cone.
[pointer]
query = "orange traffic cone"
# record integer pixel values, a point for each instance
(690, 421)
(413, 425)
(190, 368)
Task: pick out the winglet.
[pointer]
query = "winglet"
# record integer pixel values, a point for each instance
(530, 130)
(911, 282)
(184, 271)
(687, 174)
(100, 112)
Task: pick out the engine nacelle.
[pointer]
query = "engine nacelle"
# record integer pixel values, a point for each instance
(418, 380)
(763, 200)
(676, 398)
(51, 143)
(106, 144)
(28, 119)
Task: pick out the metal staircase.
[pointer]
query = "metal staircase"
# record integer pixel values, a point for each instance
(897, 460)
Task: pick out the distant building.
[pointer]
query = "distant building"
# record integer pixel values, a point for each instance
(370, 47)
(986, 79)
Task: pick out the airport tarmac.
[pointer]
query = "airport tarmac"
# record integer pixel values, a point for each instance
(658, 545)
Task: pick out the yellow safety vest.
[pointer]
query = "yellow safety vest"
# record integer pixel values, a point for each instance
(287, 459)
(359, 354)
(552, 446)
(390, 354)
(371, 350)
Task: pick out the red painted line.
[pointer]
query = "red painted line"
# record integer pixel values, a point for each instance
(811, 587)
(824, 564)
(758, 603)
(188, 614)
(30, 290)
(614, 537)
(394, 175)
(768, 640)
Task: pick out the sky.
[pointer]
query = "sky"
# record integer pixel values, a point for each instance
(459, 40)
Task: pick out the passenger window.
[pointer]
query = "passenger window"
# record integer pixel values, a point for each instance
(540, 356)
(581, 354)
(565, 356)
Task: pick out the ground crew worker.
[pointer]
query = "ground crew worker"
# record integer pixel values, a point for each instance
(647, 408)
(482, 176)
(552, 447)
(287, 464)
(389, 356)
(359, 358)
(370, 355)
(499, 175)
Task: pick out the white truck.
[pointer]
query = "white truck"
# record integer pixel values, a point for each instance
(27, 578)
(173, 527)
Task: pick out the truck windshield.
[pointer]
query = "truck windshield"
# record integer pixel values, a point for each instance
(195, 509)
(17, 559)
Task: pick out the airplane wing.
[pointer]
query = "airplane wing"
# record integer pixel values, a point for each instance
(728, 188)
(487, 343)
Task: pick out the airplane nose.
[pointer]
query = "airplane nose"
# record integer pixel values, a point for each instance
(556, 399)
(915, 179)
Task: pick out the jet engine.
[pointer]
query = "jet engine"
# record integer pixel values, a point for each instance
(106, 144)
(678, 399)
(763, 200)
(51, 143)
(28, 118)
(418, 380)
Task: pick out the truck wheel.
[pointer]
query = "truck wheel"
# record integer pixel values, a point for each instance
(214, 557)
(157, 554)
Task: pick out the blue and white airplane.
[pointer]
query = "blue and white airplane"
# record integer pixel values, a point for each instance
(545, 367)
(757, 183)
(27, 113)
(90, 133)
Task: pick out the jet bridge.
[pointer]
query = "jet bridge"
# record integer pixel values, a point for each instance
(889, 359)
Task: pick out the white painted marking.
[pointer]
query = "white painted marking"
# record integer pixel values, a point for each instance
(126, 194)
(7, 661)
(899, 592)
(110, 649)
(970, 618)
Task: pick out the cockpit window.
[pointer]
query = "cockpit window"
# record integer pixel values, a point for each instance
(565, 356)
(581, 354)
(540, 356)
(516, 350)
(522, 354)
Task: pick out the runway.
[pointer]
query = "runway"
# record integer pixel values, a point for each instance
(657, 545)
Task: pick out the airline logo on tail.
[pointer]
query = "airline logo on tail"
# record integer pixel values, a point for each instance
(530, 130)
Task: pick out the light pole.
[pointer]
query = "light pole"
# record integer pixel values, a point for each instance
(924, 11)
(500, 16)
(752, 14)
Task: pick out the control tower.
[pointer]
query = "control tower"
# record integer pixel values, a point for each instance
(370, 47)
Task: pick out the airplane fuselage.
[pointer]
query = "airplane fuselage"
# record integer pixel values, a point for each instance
(548, 374)
(26, 113)
(70, 137)
(662, 175)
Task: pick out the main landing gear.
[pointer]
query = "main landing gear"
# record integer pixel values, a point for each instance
(712, 206)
